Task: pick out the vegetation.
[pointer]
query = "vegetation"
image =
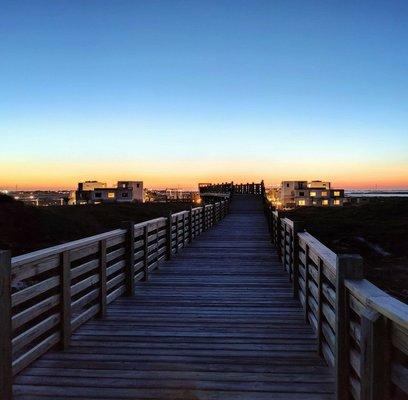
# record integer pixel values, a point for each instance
(25, 228)
(378, 231)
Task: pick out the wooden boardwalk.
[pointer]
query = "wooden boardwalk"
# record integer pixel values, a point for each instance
(218, 321)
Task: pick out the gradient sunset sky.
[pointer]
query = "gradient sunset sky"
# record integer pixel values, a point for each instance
(178, 92)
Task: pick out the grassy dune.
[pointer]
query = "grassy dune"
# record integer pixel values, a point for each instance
(25, 228)
(378, 231)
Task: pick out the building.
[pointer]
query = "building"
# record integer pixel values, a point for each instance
(287, 192)
(314, 193)
(91, 193)
(136, 190)
(91, 185)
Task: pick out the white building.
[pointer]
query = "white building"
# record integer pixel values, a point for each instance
(314, 193)
(92, 192)
(137, 189)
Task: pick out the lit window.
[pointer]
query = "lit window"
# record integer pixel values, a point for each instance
(336, 202)
(301, 202)
(324, 194)
(325, 202)
(337, 193)
(111, 195)
(312, 194)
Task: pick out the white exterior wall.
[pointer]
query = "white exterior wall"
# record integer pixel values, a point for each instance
(137, 189)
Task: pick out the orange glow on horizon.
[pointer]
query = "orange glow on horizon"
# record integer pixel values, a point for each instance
(187, 174)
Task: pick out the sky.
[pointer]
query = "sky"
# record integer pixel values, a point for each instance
(179, 92)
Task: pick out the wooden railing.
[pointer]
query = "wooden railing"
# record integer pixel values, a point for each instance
(233, 188)
(362, 332)
(48, 294)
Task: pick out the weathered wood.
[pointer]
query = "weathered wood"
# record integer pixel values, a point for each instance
(102, 279)
(65, 300)
(176, 237)
(145, 253)
(306, 306)
(190, 225)
(112, 237)
(34, 311)
(169, 230)
(319, 313)
(218, 321)
(347, 266)
(373, 346)
(130, 258)
(204, 219)
(296, 229)
(35, 290)
(6, 375)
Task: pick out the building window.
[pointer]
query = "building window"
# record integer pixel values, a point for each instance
(301, 202)
(98, 195)
(301, 194)
(287, 185)
(137, 184)
(312, 194)
(324, 194)
(336, 202)
(325, 202)
(336, 193)
(111, 195)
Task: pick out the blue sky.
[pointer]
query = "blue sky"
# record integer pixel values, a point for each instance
(174, 92)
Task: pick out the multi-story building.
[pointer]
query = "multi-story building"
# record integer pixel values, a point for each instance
(91, 193)
(287, 192)
(136, 189)
(314, 193)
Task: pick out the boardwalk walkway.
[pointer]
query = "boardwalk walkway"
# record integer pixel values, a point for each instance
(218, 321)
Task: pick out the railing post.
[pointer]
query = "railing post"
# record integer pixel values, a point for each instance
(130, 258)
(374, 356)
(347, 266)
(297, 228)
(204, 224)
(319, 332)
(184, 230)
(279, 233)
(146, 252)
(169, 240)
(177, 233)
(65, 300)
(190, 225)
(214, 214)
(102, 279)
(306, 307)
(6, 373)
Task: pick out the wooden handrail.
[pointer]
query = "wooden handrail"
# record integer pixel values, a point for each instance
(362, 332)
(47, 294)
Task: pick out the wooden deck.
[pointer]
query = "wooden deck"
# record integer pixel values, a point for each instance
(218, 321)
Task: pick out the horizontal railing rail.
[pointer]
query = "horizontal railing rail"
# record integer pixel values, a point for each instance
(47, 294)
(362, 332)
